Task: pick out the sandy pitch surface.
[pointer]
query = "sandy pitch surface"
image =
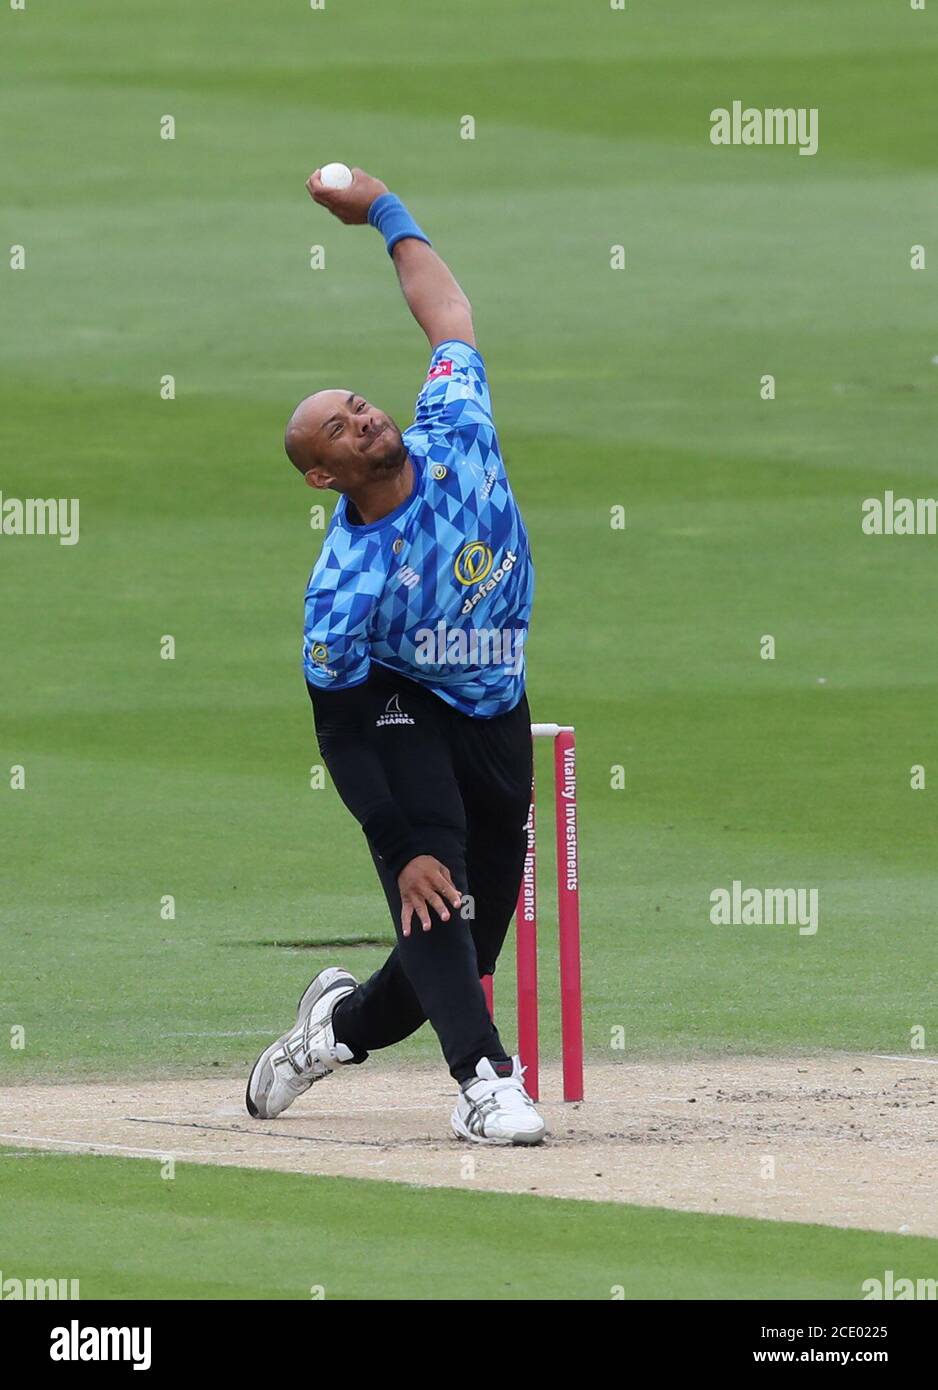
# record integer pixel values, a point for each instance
(842, 1140)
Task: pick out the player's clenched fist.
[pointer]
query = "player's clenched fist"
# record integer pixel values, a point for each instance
(349, 205)
(426, 883)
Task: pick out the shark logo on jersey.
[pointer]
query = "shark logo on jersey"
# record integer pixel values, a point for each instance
(393, 714)
(487, 477)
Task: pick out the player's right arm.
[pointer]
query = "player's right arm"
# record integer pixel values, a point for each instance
(429, 286)
(432, 293)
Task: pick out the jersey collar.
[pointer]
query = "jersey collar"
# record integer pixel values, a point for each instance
(341, 511)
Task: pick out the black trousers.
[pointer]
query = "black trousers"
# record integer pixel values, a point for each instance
(465, 786)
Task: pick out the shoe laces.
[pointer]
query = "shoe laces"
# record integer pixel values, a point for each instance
(299, 1046)
(512, 1083)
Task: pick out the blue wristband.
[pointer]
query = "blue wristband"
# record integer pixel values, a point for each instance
(393, 221)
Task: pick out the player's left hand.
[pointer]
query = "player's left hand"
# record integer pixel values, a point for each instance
(426, 883)
(350, 205)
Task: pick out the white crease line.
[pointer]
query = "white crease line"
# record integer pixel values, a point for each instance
(232, 1033)
(93, 1144)
(909, 1061)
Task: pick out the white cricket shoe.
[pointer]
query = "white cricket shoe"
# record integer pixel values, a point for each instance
(497, 1109)
(306, 1054)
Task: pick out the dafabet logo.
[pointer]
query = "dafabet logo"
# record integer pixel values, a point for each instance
(473, 563)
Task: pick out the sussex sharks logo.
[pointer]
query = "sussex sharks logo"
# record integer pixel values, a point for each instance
(393, 714)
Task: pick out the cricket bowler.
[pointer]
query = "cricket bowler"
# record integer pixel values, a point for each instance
(416, 616)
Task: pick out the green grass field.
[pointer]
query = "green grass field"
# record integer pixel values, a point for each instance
(636, 388)
(226, 1233)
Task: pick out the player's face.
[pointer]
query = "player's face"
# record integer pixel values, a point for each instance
(350, 441)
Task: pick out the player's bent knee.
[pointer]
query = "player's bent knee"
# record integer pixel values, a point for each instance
(446, 845)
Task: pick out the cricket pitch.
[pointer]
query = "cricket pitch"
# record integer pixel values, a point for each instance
(840, 1140)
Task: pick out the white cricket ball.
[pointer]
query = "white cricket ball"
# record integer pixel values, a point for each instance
(336, 176)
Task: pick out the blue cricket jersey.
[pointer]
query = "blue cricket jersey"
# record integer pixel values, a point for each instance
(439, 590)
